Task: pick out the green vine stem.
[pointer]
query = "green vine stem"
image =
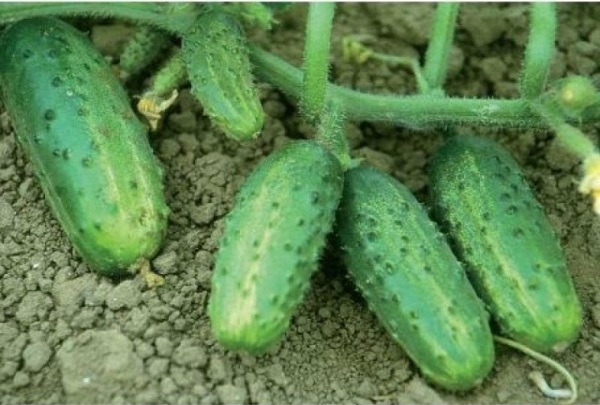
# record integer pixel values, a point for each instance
(331, 134)
(539, 50)
(171, 76)
(176, 18)
(569, 136)
(163, 90)
(413, 111)
(440, 43)
(316, 58)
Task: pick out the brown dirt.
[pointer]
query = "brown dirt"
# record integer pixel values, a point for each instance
(69, 335)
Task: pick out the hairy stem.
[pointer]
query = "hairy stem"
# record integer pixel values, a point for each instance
(171, 76)
(316, 58)
(332, 135)
(569, 136)
(440, 43)
(412, 111)
(175, 18)
(539, 50)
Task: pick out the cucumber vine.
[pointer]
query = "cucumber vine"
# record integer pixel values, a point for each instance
(222, 67)
(308, 84)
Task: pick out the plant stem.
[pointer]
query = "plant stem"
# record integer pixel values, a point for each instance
(421, 111)
(332, 135)
(175, 18)
(569, 136)
(539, 50)
(413, 111)
(316, 58)
(440, 43)
(170, 77)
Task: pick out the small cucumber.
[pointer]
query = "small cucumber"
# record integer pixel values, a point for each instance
(271, 244)
(216, 56)
(88, 149)
(500, 231)
(412, 281)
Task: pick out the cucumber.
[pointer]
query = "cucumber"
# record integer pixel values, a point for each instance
(89, 151)
(218, 65)
(412, 281)
(499, 230)
(271, 245)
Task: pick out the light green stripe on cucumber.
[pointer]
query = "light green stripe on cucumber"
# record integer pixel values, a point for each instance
(412, 281)
(74, 122)
(271, 244)
(500, 231)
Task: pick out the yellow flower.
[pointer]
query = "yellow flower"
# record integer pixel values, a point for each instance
(591, 179)
(151, 106)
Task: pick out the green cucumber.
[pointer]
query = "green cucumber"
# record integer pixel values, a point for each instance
(216, 56)
(89, 151)
(513, 257)
(412, 281)
(271, 245)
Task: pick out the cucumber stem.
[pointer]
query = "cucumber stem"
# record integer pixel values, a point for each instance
(163, 90)
(569, 136)
(176, 18)
(546, 360)
(316, 59)
(170, 77)
(254, 14)
(576, 142)
(415, 111)
(332, 135)
(539, 50)
(440, 43)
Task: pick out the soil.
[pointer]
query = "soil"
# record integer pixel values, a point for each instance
(68, 335)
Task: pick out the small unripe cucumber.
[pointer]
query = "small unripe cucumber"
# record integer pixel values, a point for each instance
(412, 281)
(218, 65)
(271, 245)
(500, 231)
(88, 149)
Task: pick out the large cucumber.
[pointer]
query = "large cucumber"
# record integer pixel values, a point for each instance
(271, 245)
(88, 149)
(412, 281)
(500, 231)
(216, 56)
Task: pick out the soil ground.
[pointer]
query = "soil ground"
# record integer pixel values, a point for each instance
(68, 335)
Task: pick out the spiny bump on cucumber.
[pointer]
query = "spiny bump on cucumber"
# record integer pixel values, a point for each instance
(409, 277)
(74, 122)
(499, 230)
(271, 244)
(218, 65)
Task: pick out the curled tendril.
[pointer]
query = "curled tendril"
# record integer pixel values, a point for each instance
(568, 396)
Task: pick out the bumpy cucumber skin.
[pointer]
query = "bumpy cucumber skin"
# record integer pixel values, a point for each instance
(412, 281)
(500, 231)
(271, 245)
(90, 152)
(220, 73)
